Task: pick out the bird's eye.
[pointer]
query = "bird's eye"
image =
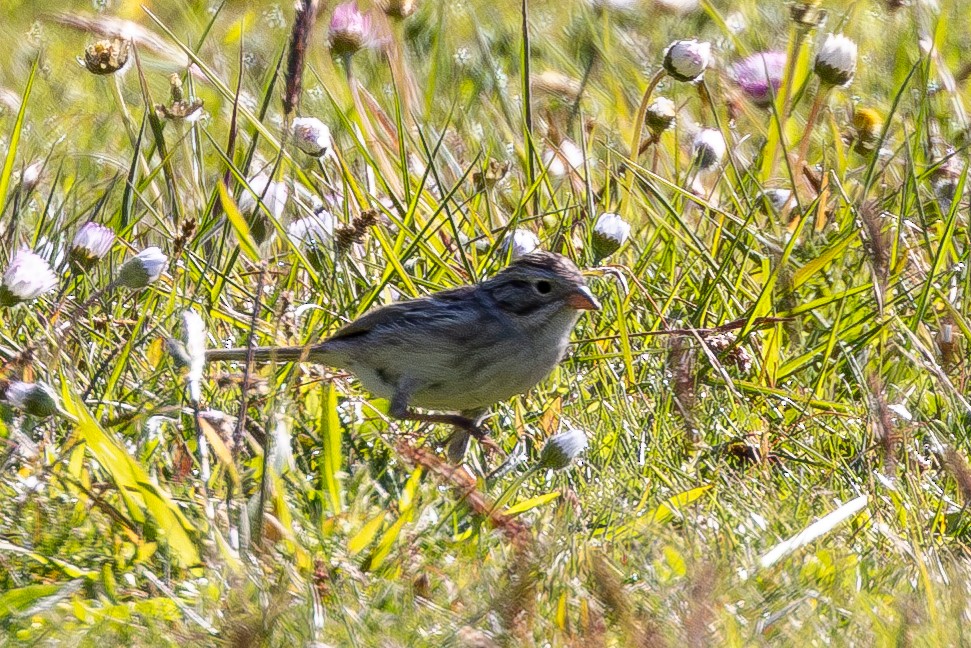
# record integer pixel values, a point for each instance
(543, 287)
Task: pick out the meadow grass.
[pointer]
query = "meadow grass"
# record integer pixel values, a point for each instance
(774, 396)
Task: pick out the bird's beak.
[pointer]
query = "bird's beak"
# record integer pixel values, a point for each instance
(583, 299)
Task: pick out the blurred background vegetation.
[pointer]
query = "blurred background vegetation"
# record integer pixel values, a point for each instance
(817, 372)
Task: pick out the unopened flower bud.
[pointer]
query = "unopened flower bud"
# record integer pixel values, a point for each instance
(35, 399)
(92, 242)
(350, 30)
(687, 60)
(836, 60)
(709, 148)
(399, 8)
(27, 277)
(609, 233)
(561, 449)
(143, 269)
(31, 176)
(106, 56)
(312, 136)
(519, 243)
(660, 115)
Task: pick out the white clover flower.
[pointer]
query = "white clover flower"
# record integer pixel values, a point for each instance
(273, 194)
(660, 115)
(559, 163)
(312, 136)
(561, 449)
(687, 60)
(709, 148)
(195, 347)
(519, 243)
(609, 233)
(92, 242)
(836, 60)
(143, 269)
(27, 277)
(36, 399)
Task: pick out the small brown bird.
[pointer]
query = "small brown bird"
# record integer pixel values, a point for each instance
(458, 350)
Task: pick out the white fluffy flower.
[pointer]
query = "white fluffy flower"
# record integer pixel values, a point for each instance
(836, 60)
(609, 233)
(709, 148)
(687, 60)
(144, 268)
(559, 162)
(520, 242)
(27, 277)
(195, 347)
(92, 242)
(561, 449)
(312, 136)
(273, 194)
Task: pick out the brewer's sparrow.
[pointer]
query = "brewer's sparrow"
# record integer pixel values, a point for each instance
(458, 350)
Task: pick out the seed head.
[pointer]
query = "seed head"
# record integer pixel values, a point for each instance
(687, 60)
(836, 60)
(27, 277)
(106, 56)
(143, 269)
(92, 242)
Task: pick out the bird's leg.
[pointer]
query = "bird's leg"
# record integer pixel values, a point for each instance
(458, 442)
(399, 410)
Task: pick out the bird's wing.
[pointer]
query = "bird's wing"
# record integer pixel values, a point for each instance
(436, 314)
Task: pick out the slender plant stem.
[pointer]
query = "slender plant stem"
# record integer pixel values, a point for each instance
(635, 140)
(817, 106)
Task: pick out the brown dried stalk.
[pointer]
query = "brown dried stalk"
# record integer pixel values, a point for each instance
(303, 24)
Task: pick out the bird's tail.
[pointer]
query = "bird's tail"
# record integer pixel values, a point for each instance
(264, 354)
